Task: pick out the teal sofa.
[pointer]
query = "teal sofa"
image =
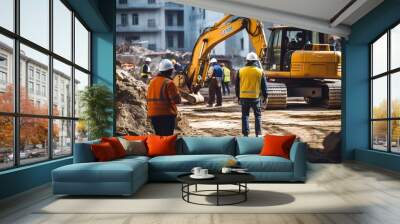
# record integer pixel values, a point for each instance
(125, 176)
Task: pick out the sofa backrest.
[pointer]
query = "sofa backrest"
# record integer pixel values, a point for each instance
(83, 152)
(249, 145)
(206, 145)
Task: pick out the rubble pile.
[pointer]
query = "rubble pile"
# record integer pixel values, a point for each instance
(131, 57)
(131, 112)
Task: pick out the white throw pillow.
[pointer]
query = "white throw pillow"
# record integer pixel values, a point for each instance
(134, 147)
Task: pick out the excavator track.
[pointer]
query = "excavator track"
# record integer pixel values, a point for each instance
(277, 96)
(332, 93)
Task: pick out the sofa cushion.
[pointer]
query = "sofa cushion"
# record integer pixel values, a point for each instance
(257, 163)
(185, 163)
(161, 145)
(207, 145)
(112, 171)
(134, 147)
(116, 145)
(249, 145)
(277, 145)
(103, 152)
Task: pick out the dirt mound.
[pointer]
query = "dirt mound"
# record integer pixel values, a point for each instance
(131, 111)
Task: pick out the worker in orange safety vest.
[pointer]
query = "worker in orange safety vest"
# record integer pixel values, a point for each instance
(162, 97)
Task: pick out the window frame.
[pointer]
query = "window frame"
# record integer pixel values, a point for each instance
(388, 74)
(16, 114)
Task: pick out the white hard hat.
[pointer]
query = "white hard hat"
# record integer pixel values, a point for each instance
(165, 65)
(251, 56)
(213, 60)
(147, 59)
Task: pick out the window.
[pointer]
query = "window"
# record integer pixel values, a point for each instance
(181, 40)
(385, 95)
(241, 44)
(30, 88)
(152, 47)
(123, 1)
(62, 77)
(151, 23)
(81, 45)
(135, 19)
(180, 18)
(151, 1)
(45, 118)
(170, 19)
(170, 40)
(34, 21)
(62, 29)
(7, 14)
(124, 19)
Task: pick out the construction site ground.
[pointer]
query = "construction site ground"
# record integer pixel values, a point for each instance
(316, 126)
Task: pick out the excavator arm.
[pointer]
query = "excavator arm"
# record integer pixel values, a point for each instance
(228, 26)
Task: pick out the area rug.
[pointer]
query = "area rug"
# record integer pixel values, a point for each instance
(166, 198)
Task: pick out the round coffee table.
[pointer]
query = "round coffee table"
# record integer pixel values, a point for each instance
(238, 179)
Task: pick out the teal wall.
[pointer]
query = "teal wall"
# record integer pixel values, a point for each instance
(355, 112)
(99, 15)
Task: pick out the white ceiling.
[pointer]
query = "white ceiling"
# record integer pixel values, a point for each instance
(317, 15)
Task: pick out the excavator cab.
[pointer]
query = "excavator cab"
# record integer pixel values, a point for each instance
(284, 41)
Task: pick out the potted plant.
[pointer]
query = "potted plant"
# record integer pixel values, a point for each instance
(96, 102)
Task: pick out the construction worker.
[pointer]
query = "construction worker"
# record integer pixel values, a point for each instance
(162, 97)
(250, 85)
(215, 75)
(177, 66)
(227, 80)
(145, 73)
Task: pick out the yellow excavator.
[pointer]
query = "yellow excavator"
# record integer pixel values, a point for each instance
(297, 63)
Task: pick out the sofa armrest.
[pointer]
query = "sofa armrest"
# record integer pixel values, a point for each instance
(299, 159)
(83, 152)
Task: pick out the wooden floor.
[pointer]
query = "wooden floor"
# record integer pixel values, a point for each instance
(378, 189)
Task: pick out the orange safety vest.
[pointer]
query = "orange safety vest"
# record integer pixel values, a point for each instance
(162, 96)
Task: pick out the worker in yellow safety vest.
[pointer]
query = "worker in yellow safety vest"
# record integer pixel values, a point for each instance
(145, 72)
(250, 86)
(227, 80)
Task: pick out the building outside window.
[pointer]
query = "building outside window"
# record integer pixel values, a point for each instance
(55, 129)
(151, 1)
(123, 1)
(385, 94)
(124, 19)
(135, 19)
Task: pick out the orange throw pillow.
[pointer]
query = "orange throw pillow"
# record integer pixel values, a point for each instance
(116, 145)
(275, 145)
(161, 145)
(103, 152)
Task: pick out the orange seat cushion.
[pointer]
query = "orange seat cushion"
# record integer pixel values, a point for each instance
(116, 145)
(103, 152)
(161, 145)
(275, 145)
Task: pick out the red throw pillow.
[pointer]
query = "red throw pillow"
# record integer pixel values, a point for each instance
(103, 152)
(116, 145)
(161, 145)
(275, 145)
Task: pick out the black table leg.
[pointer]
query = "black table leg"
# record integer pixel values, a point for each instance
(217, 194)
(245, 193)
